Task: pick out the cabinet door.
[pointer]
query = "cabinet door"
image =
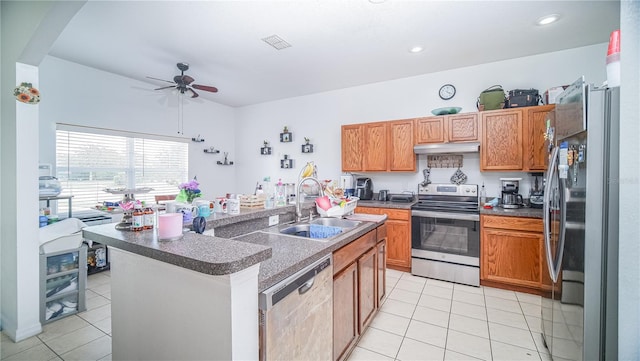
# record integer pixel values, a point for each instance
(367, 294)
(536, 153)
(430, 130)
(512, 257)
(401, 155)
(399, 243)
(345, 310)
(462, 127)
(381, 248)
(352, 143)
(375, 147)
(502, 146)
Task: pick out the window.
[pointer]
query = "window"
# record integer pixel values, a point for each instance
(89, 160)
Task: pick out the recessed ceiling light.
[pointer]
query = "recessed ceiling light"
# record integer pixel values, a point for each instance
(377, 1)
(548, 19)
(416, 49)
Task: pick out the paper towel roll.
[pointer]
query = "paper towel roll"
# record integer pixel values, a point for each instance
(169, 225)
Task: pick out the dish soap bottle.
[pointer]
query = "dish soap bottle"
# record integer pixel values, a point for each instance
(483, 195)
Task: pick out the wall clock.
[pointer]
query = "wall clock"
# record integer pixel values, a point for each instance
(447, 91)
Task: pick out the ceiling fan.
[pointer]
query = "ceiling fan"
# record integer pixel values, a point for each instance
(184, 82)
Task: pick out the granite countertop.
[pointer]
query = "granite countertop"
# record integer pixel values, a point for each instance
(280, 255)
(291, 254)
(387, 204)
(519, 212)
(197, 252)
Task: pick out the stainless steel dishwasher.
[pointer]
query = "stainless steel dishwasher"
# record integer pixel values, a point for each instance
(296, 320)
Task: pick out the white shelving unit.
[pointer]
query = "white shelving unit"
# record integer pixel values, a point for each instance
(63, 280)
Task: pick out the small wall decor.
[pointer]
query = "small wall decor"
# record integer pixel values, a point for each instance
(26, 93)
(226, 160)
(286, 163)
(197, 139)
(211, 150)
(445, 161)
(266, 150)
(307, 147)
(285, 136)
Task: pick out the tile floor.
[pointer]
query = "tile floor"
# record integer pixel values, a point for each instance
(426, 319)
(84, 336)
(421, 319)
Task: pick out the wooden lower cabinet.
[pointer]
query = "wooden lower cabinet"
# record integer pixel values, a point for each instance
(382, 266)
(367, 295)
(345, 305)
(512, 253)
(398, 236)
(356, 294)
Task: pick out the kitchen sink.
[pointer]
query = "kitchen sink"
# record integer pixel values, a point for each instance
(321, 228)
(335, 222)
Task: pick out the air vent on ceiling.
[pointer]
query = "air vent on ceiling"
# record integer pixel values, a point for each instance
(276, 41)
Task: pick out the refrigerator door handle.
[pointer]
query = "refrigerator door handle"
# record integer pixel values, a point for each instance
(563, 227)
(545, 218)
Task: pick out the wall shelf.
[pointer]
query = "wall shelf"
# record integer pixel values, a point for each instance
(211, 151)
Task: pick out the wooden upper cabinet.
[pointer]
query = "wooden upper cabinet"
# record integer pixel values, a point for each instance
(462, 127)
(502, 145)
(430, 130)
(450, 128)
(352, 145)
(401, 155)
(378, 147)
(536, 152)
(375, 147)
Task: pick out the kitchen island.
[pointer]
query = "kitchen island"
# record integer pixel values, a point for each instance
(197, 297)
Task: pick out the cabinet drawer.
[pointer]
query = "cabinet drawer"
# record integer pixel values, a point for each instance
(349, 253)
(368, 210)
(515, 223)
(382, 232)
(397, 214)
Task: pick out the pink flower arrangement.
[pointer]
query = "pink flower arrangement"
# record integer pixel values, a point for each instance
(188, 191)
(129, 206)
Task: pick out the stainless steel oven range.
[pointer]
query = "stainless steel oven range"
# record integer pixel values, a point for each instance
(445, 233)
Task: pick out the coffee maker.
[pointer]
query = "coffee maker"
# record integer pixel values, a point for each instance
(536, 192)
(510, 196)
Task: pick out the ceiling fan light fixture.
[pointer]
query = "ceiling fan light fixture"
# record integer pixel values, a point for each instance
(377, 1)
(277, 42)
(548, 19)
(416, 49)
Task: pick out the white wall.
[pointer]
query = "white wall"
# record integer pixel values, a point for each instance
(319, 116)
(80, 95)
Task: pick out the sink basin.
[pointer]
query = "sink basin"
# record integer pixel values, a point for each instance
(320, 228)
(335, 222)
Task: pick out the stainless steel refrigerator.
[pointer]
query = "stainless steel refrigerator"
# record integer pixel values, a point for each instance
(579, 316)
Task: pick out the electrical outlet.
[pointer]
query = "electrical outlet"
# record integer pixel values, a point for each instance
(273, 220)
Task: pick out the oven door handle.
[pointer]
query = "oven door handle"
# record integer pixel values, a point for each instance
(446, 215)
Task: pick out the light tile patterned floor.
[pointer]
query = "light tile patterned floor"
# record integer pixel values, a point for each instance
(421, 319)
(85, 336)
(426, 319)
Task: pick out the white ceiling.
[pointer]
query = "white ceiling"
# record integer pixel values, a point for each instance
(335, 43)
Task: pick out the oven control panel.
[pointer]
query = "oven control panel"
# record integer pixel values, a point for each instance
(449, 189)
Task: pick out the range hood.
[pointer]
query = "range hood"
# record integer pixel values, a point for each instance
(439, 148)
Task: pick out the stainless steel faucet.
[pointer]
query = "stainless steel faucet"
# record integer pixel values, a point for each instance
(298, 198)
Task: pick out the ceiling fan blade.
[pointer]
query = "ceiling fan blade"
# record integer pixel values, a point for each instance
(165, 87)
(205, 88)
(195, 95)
(160, 79)
(187, 79)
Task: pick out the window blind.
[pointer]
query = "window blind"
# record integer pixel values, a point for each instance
(89, 161)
